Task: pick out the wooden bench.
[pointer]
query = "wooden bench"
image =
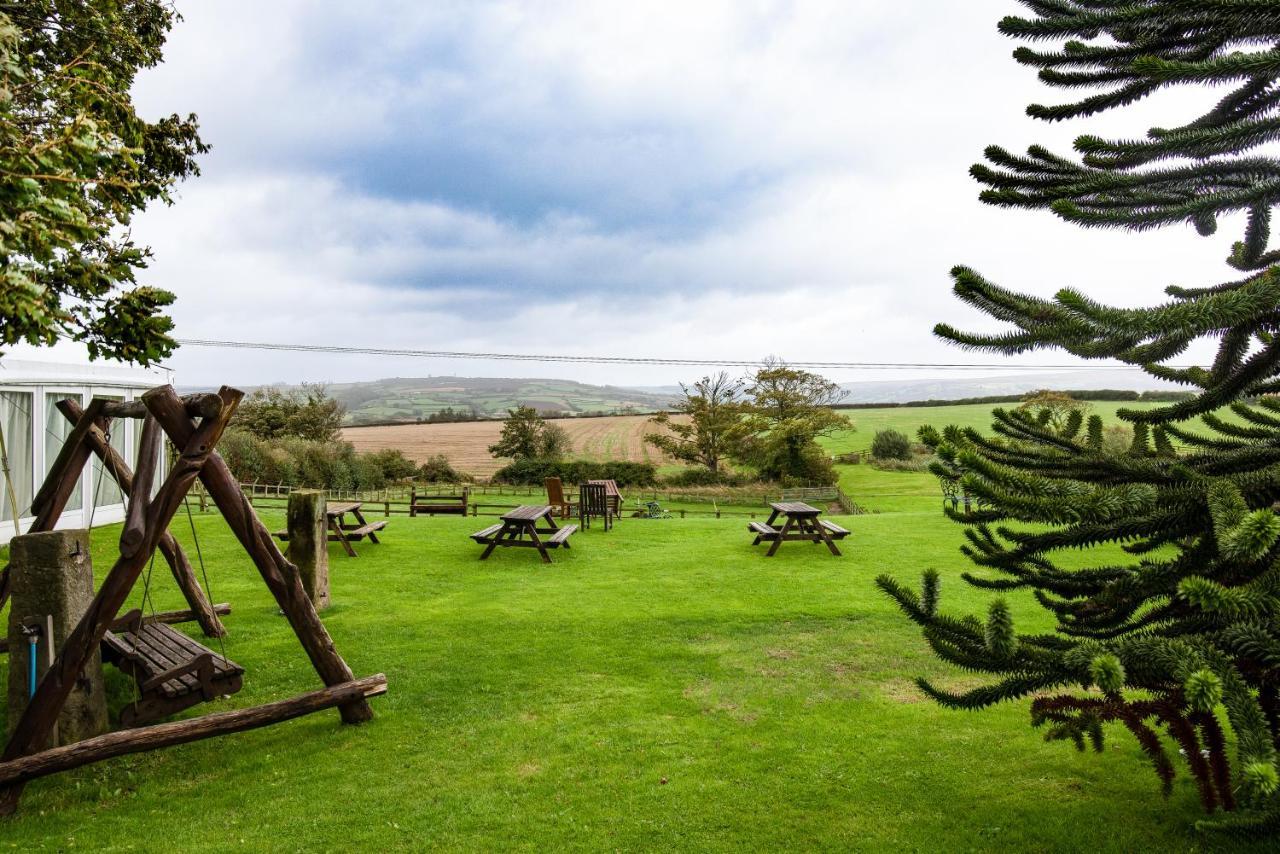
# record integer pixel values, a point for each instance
(487, 534)
(434, 505)
(834, 530)
(358, 532)
(561, 536)
(762, 530)
(172, 671)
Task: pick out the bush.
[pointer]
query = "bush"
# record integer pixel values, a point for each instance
(916, 464)
(310, 462)
(533, 472)
(437, 469)
(700, 476)
(890, 445)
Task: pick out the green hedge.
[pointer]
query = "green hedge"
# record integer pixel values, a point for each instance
(534, 472)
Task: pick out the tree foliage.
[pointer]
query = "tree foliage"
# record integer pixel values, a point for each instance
(1054, 406)
(785, 412)
(76, 163)
(713, 431)
(306, 412)
(1178, 642)
(526, 435)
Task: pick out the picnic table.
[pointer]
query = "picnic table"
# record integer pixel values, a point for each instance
(342, 531)
(802, 523)
(520, 528)
(612, 494)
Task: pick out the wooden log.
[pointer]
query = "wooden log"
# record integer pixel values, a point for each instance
(135, 519)
(27, 768)
(67, 466)
(179, 565)
(37, 720)
(281, 577)
(170, 617)
(202, 405)
(309, 543)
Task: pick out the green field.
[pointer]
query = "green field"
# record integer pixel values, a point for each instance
(909, 419)
(660, 686)
(410, 400)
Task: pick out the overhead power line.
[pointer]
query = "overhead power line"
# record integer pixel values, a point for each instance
(622, 360)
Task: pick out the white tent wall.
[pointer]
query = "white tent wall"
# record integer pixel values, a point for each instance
(34, 431)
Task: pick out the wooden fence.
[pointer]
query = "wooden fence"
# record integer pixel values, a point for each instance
(394, 501)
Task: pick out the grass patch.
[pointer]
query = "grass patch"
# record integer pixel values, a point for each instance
(660, 686)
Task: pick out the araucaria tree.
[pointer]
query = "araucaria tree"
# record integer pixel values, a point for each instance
(76, 163)
(712, 432)
(1182, 636)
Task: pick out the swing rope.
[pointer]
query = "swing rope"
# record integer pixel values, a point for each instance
(204, 573)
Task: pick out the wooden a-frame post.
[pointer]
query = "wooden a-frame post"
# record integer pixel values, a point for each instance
(88, 437)
(143, 531)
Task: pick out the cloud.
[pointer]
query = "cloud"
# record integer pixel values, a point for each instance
(705, 180)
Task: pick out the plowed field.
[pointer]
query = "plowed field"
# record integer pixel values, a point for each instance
(618, 437)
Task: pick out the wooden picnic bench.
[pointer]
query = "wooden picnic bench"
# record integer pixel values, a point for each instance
(802, 523)
(172, 671)
(434, 505)
(341, 531)
(519, 528)
(612, 494)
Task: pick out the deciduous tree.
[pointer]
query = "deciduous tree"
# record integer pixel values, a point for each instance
(713, 431)
(526, 435)
(786, 411)
(76, 163)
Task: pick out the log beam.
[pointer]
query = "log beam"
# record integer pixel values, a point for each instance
(203, 405)
(280, 575)
(16, 772)
(179, 565)
(38, 719)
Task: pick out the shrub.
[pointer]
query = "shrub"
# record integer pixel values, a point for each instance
(890, 445)
(914, 464)
(438, 469)
(533, 472)
(706, 477)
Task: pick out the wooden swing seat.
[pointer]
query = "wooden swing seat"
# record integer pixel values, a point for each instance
(173, 671)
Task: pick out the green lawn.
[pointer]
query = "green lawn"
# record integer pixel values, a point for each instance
(661, 686)
(909, 419)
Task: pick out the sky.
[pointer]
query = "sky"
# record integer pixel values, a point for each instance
(704, 179)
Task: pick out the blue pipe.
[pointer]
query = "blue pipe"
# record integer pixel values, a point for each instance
(31, 660)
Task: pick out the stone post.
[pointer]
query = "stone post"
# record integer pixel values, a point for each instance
(309, 542)
(52, 577)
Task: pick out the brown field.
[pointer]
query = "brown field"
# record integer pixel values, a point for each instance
(618, 437)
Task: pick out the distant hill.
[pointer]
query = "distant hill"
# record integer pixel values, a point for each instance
(412, 399)
(960, 386)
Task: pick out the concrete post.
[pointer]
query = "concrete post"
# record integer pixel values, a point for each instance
(309, 542)
(52, 578)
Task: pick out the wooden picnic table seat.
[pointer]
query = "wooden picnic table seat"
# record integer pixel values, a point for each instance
(561, 536)
(358, 532)
(173, 672)
(485, 535)
(762, 530)
(834, 530)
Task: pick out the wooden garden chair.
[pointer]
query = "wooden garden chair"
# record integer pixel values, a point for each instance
(563, 504)
(593, 500)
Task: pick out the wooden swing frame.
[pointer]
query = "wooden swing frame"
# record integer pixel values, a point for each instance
(194, 425)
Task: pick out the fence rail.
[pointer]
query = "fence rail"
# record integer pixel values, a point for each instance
(394, 501)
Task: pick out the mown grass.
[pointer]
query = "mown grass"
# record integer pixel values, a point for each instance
(660, 686)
